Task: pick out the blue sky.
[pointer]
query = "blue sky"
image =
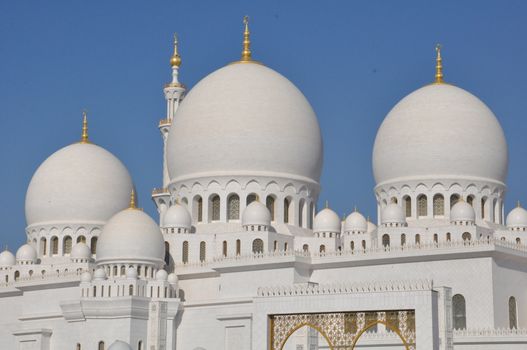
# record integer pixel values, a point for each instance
(352, 59)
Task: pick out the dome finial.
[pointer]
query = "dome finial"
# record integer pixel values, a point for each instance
(327, 204)
(133, 202)
(439, 66)
(355, 208)
(175, 60)
(518, 204)
(246, 53)
(84, 137)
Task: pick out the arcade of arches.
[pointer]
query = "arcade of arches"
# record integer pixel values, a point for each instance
(343, 330)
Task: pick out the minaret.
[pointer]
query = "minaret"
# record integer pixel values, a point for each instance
(174, 93)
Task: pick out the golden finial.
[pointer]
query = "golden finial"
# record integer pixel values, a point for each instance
(518, 204)
(246, 53)
(84, 137)
(327, 204)
(368, 218)
(175, 60)
(355, 208)
(133, 202)
(439, 66)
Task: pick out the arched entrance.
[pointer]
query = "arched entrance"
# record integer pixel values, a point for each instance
(342, 330)
(308, 335)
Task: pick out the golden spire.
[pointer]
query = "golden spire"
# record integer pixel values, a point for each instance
(439, 66)
(175, 60)
(246, 53)
(133, 202)
(84, 137)
(518, 204)
(355, 208)
(327, 204)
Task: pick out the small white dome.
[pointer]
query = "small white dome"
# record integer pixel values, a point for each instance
(80, 251)
(79, 183)
(26, 253)
(131, 236)
(86, 277)
(177, 216)
(440, 131)
(172, 278)
(256, 214)
(326, 221)
(131, 273)
(462, 211)
(161, 275)
(393, 214)
(517, 218)
(239, 120)
(7, 258)
(355, 222)
(371, 226)
(99, 274)
(119, 345)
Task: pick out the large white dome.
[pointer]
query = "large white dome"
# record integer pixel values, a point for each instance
(131, 236)
(440, 131)
(79, 183)
(245, 119)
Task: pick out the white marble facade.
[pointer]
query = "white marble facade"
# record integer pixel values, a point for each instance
(238, 237)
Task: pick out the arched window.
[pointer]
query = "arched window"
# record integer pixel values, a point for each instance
(322, 248)
(470, 200)
(197, 208)
(513, 317)
(81, 238)
(101, 345)
(93, 245)
(269, 203)
(167, 253)
(130, 290)
(385, 240)
(123, 270)
(422, 205)
(202, 251)
(518, 240)
(78, 347)
(54, 245)
(352, 245)
(459, 312)
(403, 239)
(408, 206)
(394, 200)
(285, 247)
(184, 253)
(454, 199)
(17, 275)
(275, 246)
(448, 237)
(436, 238)
(233, 207)
(224, 248)
(140, 345)
(418, 239)
(251, 198)
(214, 207)
(43, 246)
(287, 205)
(258, 246)
(238, 247)
(439, 205)
(466, 236)
(363, 244)
(483, 209)
(305, 248)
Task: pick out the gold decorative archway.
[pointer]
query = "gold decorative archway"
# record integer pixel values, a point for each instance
(342, 330)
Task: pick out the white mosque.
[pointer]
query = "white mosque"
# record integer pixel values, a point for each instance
(240, 259)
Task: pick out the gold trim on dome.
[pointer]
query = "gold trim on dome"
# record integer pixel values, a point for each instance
(439, 66)
(84, 136)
